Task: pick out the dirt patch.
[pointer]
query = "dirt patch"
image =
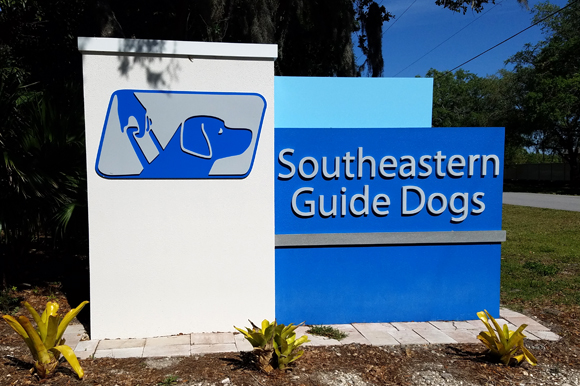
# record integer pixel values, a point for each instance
(352, 365)
(340, 365)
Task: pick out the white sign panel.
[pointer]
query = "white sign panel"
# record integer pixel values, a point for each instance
(180, 144)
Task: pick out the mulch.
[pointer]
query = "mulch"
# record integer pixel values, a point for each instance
(336, 365)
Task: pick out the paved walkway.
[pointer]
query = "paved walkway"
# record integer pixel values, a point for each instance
(549, 201)
(376, 334)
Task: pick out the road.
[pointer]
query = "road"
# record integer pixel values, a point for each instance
(549, 201)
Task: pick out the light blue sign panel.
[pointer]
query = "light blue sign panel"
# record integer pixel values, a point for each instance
(306, 102)
(170, 134)
(388, 180)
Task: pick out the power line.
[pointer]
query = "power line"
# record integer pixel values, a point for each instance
(446, 40)
(398, 18)
(513, 36)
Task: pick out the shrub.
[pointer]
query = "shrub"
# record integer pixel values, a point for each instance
(8, 301)
(274, 344)
(503, 343)
(327, 331)
(46, 343)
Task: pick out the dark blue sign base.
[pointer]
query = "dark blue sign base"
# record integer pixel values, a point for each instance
(386, 283)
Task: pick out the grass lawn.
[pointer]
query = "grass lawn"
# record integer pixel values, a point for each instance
(541, 258)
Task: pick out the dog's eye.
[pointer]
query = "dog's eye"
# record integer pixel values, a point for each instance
(221, 131)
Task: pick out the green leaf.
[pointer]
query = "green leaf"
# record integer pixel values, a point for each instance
(505, 358)
(249, 337)
(505, 344)
(39, 323)
(279, 329)
(516, 339)
(289, 330)
(259, 339)
(506, 332)
(71, 358)
(484, 319)
(490, 342)
(243, 332)
(502, 338)
(517, 336)
(303, 339)
(530, 358)
(296, 356)
(290, 339)
(51, 332)
(15, 326)
(519, 358)
(51, 309)
(67, 319)
(20, 330)
(283, 346)
(265, 325)
(40, 352)
(269, 333)
(276, 344)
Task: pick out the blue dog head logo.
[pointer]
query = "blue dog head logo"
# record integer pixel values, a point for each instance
(158, 135)
(199, 133)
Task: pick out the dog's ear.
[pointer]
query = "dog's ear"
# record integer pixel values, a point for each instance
(194, 139)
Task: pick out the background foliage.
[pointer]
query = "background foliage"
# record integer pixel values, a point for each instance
(538, 102)
(42, 164)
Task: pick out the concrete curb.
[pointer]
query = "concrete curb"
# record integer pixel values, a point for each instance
(376, 334)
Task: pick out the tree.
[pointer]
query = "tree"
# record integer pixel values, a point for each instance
(475, 5)
(42, 169)
(42, 164)
(313, 37)
(549, 78)
(463, 99)
(370, 41)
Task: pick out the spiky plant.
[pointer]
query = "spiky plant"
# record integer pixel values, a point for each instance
(46, 343)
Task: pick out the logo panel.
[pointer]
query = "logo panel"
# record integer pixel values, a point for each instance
(180, 135)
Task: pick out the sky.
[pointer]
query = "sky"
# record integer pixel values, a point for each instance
(425, 25)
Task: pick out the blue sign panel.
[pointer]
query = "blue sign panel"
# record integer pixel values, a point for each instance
(414, 181)
(170, 134)
(388, 180)
(387, 284)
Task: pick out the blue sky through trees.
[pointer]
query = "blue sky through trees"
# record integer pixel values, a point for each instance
(425, 25)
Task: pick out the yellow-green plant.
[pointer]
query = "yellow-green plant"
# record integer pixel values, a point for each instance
(273, 338)
(46, 343)
(262, 340)
(503, 343)
(285, 343)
